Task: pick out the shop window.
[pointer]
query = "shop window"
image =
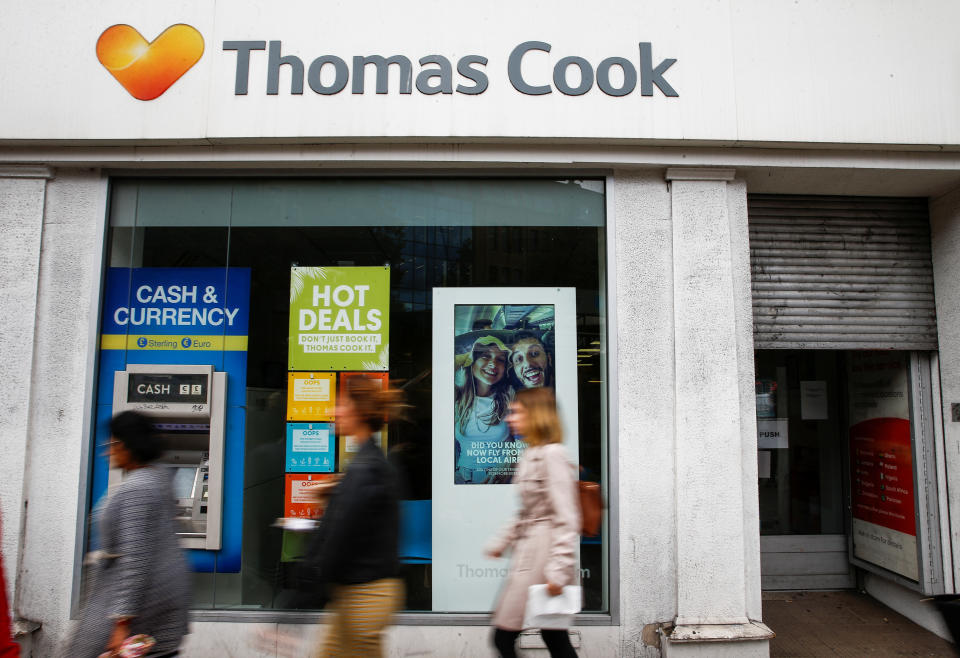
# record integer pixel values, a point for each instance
(428, 234)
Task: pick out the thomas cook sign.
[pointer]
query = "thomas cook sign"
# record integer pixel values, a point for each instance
(329, 74)
(147, 70)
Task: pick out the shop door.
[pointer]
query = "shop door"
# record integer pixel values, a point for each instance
(801, 448)
(831, 277)
(849, 468)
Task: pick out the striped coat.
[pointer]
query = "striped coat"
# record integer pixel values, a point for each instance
(140, 570)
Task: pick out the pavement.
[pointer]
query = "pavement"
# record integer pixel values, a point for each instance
(846, 623)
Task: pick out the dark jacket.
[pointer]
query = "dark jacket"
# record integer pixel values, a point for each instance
(358, 534)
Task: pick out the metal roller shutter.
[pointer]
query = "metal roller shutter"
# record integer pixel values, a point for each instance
(841, 273)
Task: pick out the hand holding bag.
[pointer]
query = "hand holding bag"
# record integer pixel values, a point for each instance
(134, 646)
(551, 612)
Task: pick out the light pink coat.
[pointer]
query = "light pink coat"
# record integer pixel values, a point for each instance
(544, 533)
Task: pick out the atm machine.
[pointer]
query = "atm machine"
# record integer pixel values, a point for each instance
(188, 404)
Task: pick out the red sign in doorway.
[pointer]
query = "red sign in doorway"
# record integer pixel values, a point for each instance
(884, 523)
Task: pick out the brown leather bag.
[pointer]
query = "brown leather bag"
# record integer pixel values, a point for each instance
(591, 507)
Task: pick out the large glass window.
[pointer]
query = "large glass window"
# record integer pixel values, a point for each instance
(440, 233)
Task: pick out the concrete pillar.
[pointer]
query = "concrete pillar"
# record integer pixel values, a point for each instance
(60, 401)
(644, 431)
(22, 192)
(717, 539)
(945, 242)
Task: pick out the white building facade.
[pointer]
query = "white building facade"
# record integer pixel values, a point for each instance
(754, 204)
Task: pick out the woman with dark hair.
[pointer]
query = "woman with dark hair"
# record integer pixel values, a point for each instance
(546, 529)
(355, 549)
(139, 578)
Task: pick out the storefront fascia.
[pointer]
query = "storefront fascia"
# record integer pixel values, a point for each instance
(640, 490)
(678, 282)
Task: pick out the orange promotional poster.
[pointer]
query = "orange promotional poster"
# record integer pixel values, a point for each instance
(375, 376)
(347, 447)
(300, 499)
(311, 395)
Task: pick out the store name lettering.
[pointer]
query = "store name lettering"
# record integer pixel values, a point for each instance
(572, 75)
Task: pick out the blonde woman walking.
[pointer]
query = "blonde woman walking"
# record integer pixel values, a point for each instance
(545, 531)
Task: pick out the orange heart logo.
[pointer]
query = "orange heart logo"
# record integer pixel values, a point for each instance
(144, 69)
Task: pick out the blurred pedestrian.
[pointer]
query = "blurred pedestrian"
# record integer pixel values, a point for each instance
(545, 531)
(355, 550)
(8, 648)
(140, 584)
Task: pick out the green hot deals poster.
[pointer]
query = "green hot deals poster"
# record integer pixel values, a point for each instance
(339, 318)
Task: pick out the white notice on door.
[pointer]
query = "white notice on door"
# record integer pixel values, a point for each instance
(772, 433)
(813, 400)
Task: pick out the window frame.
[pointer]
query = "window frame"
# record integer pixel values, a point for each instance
(609, 370)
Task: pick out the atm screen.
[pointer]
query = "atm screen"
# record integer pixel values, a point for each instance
(183, 479)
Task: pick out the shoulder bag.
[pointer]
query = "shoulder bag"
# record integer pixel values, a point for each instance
(591, 507)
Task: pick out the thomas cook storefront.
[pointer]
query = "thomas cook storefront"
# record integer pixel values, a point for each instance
(742, 301)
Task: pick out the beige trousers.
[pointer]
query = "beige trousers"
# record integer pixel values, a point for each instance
(360, 615)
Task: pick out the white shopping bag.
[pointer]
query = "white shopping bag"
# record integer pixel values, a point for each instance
(551, 612)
